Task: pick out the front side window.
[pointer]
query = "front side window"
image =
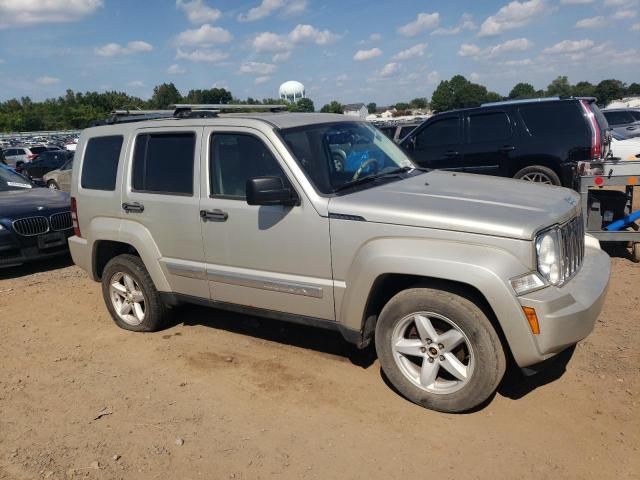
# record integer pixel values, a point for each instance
(336, 154)
(100, 165)
(163, 163)
(489, 127)
(235, 158)
(441, 132)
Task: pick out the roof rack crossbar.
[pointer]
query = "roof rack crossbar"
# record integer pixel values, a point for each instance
(226, 106)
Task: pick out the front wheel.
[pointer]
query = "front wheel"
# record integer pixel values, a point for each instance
(439, 350)
(52, 185)
(538, 174)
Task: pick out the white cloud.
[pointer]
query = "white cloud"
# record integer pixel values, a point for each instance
(569, 46)
(415, 51)
(474, 76)
(466, 23)
(15, 13)
(257, 68)
(635, 27)
(263, 79)
(619, 3)
(201, 55)
(113, 49)
(592, 22)
(272, 42)
(267, 7)
(206, 35)
(389, 70)
(198, 12)
(424, 21)
(341, 79)
(281, 57)
(136, 84)
(514, 15)
(515, 45)
(576, 2)
(519, 63)
(624, 14)
(362, 55)
(295, 7)
(433, 77)
(175, 69)
(47, 80)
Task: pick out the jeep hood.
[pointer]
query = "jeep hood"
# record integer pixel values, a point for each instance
(464, 203)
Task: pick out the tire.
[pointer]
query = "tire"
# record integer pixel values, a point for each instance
(479, 350)
(154, 312)
(635, 252)
(539, 174)
(52, 185)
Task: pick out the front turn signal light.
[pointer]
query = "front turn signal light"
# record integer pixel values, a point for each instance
(532, 318)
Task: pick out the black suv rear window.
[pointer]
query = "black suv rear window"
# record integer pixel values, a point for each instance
(553, 118)
(163, 163)
(100, 165)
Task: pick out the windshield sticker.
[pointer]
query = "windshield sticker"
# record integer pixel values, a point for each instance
(16, 184)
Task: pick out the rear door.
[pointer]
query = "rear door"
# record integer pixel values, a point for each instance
(489, 143)
(438, 143)
(64, 176)
(163, 195)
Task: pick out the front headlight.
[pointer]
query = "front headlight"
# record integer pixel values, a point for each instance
(549, 259)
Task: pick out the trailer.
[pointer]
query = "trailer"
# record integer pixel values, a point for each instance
(607, 198)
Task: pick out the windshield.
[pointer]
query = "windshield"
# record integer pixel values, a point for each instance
(10, 180)
(336, 154)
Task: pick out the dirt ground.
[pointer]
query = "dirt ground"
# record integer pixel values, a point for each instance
(223, 396)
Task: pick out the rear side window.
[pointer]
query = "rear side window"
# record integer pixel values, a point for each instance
(489, 127)
(100, 165)
(635, 114)
(618, 118)
(163, 163)
(38, 149)
(553, 118)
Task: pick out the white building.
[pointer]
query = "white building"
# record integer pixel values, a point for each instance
(356, 110)
(292, 91)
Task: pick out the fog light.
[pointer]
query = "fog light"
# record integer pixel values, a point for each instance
(527, 283)
(532, 318)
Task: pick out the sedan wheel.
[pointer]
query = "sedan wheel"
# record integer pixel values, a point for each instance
(537, 177)
(52, 185)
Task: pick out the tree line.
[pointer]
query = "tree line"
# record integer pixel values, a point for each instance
(77, 110)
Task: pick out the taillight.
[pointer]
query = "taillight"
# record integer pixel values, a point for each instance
(596, 134)
(74, 218)
(32, 156)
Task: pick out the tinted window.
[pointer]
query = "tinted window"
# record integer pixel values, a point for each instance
(38, 149)
(388, 131)
(618, 118)
(553, 118)
(635, 114)
(601, 119)
(100, 164)
(440, 132)
(489, 127)
(404, 131)
(235, 158)
(163, 163)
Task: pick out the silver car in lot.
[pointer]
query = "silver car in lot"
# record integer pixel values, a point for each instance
(624, 121)
(13, 155)
(59, 179)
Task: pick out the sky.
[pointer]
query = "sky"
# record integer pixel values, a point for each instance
(352, 51)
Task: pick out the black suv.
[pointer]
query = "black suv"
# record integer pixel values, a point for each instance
(539, 140)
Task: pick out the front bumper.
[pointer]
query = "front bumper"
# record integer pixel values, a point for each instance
(568, 314)
(15, 250)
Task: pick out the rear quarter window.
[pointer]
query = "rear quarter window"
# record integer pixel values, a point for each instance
(553, 118)
(100, 165)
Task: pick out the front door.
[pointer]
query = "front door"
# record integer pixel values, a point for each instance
(490, 143)
(275, 258)
(437, 144)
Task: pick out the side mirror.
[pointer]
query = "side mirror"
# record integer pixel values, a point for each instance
(270, 191)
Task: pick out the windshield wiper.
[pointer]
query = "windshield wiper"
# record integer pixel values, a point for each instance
(396, 172)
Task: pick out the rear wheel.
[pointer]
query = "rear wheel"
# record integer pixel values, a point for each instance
(130, 295)
(538, 174)
(439, 349)
(52, 185)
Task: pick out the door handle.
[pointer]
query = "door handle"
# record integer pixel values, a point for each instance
(133, 207)
(507, 148)
(214, 215)
(452, 153)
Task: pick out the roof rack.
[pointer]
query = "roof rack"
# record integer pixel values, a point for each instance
(181, 110)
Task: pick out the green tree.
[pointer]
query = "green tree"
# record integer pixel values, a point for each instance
(304, 105)
(165, 95)
(372, 107)
(419, 103)
(583, 89)
(442, 98)
(559, 86)
(333, 107)
(402, 106)
(522, 90)
(633, 90)
(608, 90)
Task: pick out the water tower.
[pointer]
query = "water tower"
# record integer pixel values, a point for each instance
(292, 91)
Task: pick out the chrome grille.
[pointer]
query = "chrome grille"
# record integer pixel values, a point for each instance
(31, 226)
(572, 244)
(60, 221)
